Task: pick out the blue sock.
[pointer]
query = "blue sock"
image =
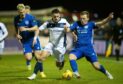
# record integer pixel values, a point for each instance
(102, 69)
(74, 65)
(28, 62)
(41, 67)
(38, 66)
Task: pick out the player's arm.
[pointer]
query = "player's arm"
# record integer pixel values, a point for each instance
(105, 20)
(32, 29)
(17, 32)
(4, 29)
(74, 36)
(43, 26)
(35, 37)
(18, 36)
(66, 29)
(71, 28)
(66, 26)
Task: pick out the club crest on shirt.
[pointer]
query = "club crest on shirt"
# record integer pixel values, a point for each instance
(26, 22)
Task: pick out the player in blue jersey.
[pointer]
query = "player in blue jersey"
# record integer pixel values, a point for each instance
(29, 39)
(84, 44)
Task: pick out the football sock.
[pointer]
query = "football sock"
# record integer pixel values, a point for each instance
(41, 66)
(38, 66)
(28, 62)
(117, 54)
(74, 65)
(102, 69)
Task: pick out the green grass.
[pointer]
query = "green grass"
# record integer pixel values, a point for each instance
(13, 71)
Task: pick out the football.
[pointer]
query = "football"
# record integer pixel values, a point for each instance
(67, 75)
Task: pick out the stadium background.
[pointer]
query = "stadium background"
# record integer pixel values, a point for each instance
(12, 66)
(42, 8)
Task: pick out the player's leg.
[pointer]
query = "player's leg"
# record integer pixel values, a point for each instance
(73, 56)
(99, 67)
(59, 55)
(117, 50)
(92, 58)
(28, 55)
(47, 51)
(1, 49)
(1, 52)
(39, 66)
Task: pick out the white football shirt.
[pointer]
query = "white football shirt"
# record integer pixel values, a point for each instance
(56, 30)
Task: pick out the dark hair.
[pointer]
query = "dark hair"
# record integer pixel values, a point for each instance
(55, 11)
(85, 13)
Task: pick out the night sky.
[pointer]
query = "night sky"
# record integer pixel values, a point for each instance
(100, 6)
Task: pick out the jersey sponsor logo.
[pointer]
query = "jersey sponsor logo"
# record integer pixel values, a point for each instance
(82, 30)
(86, 26)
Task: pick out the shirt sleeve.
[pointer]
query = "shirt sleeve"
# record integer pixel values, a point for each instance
(4, 30)
(43, 26)
(67, 24)
(73, 26)
(94, 25)
(33, 21)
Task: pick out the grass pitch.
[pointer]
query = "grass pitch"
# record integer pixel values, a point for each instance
(13, 71)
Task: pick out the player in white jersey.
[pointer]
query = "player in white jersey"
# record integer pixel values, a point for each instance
(57, 39)
(3, 35)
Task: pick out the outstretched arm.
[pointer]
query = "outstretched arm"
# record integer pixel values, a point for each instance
(111, 15)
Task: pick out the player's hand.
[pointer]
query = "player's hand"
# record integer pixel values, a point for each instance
(65, 28)
(74, 38)
(111, 15)
(19, 37)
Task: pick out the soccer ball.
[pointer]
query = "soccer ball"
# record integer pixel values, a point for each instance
(67, 75)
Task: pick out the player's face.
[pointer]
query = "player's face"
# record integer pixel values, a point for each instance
(27, 11)
(21, 12)
(56, 17)
(84, 19)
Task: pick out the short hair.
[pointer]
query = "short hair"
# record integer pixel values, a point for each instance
(55, 11)
(20, 6)
(85, 13)
(27, 7)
